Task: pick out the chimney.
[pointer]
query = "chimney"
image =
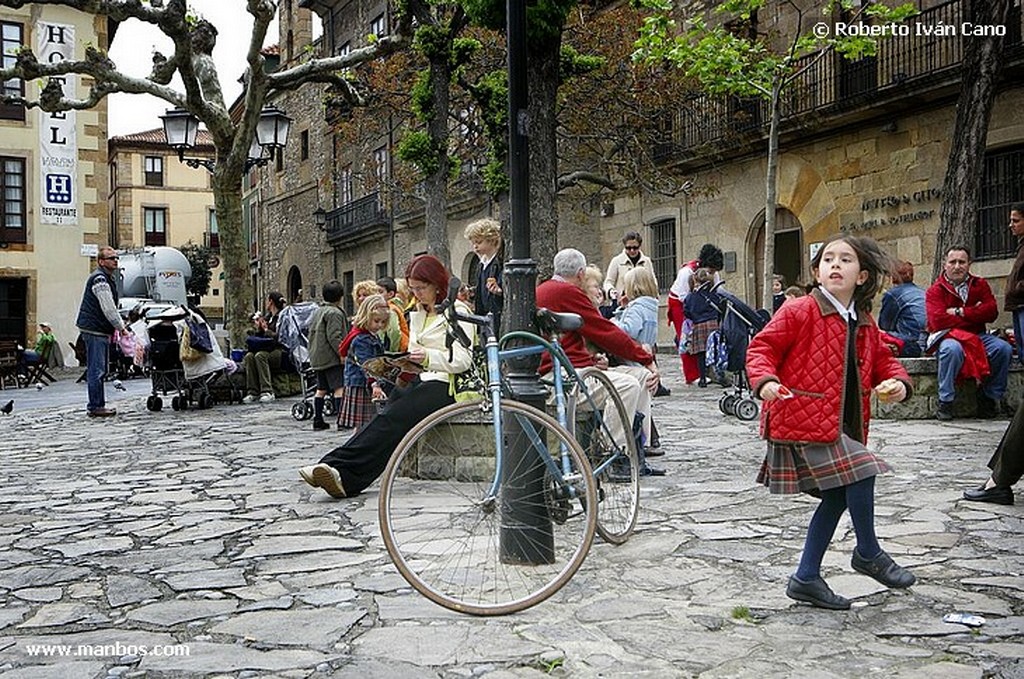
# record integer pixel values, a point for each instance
(296, 30)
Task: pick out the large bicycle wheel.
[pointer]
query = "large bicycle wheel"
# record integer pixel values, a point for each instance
(473, 552)
(616, 467)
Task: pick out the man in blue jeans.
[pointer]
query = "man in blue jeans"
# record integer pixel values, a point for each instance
(959, 305)
(98, 318)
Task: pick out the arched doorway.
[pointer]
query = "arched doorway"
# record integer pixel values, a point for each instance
(789, 251)
(294, 285)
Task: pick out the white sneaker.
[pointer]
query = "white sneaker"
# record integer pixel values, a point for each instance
(323, 476)
(266, 398)
(249, 399)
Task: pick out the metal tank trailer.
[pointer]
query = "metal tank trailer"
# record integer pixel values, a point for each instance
(153, 274)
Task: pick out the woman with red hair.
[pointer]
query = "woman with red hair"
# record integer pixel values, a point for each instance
(902, 314)
(351, 467)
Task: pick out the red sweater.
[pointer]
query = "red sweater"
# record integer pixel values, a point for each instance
(598, 330)
(980, 308)
(803, 347)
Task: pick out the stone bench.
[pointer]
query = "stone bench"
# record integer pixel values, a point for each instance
(924, 402)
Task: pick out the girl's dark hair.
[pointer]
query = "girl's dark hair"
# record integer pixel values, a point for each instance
(711, 257)
(277, 298)
(871, 258)
(1018, 208)
(429, 269)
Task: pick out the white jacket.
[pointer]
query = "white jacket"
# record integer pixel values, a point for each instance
(429, 332)
(615, 277)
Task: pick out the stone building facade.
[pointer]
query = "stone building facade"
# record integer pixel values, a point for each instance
(54, 176)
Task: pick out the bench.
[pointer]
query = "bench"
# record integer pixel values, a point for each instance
(922, 405)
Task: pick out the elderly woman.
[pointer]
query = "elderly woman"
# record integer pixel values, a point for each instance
(348, 469)
(903, 314)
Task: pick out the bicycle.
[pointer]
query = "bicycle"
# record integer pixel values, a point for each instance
(491, 540)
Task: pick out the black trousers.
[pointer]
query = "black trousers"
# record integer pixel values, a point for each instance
(362, 458)
(1007, 463)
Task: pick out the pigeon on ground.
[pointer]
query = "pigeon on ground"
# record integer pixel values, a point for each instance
(7, 409)
(119, 386)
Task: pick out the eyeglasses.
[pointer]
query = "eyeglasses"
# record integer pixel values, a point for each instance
(110, 258)
(632, 247)
(420, 288)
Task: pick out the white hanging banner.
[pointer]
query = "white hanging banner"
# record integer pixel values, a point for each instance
(58, 142)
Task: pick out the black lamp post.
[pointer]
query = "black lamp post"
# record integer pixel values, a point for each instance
(181, 128)
(526, 535)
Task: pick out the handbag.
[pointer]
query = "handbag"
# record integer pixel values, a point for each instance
(199, 336)
(256, 343)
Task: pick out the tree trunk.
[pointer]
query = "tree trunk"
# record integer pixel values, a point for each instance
(234, 247)
(436, 184)
(542, 68)
(771, 194)
(958, 215)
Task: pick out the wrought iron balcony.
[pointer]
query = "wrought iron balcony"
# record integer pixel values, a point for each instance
(362, 218)
(906, 71)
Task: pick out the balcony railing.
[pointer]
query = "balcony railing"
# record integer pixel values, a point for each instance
(362, 218)
(829, 86)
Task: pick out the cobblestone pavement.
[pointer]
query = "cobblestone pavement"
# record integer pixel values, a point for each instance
(125, 543)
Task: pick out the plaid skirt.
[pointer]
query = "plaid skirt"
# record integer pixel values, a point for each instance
(699, 337)
(357, 407)
(811, 468)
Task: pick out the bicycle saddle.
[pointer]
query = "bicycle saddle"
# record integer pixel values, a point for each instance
(554, 321)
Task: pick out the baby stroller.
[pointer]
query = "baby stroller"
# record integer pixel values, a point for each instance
(727, 346)
(204, 367)
(293, 333)
(164, 362)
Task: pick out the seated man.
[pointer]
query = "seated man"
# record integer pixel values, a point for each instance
(902, 313)
(564, 293)
(959, 305)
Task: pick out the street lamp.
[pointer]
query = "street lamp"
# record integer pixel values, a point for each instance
(320, 218)
(181, 128)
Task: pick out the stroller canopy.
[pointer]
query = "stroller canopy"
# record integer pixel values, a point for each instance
(293, 330)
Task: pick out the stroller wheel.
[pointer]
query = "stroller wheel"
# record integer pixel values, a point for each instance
(299, 411)
(158, 404)
(728, 404)
(308, 409)
(746, 409)
(204, 402)
(150, 403)
(176, 403)
(183, 402)
(329, 407)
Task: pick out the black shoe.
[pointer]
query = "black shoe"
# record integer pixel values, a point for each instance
(995, 495)
(619, 472)
(987, 408)
(883, 569)
(662, 391)
(648, 470)
(320, 425)
(945, 411)
(702, 383)
(817, 593)
(653, 452)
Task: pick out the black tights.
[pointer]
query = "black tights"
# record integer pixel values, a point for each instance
(859, 498)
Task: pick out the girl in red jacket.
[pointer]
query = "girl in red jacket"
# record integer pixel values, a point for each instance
(814, 365)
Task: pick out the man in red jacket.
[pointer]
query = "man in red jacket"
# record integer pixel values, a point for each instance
(961, 304)
(634, 383)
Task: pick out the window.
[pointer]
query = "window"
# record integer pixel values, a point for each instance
(212, 233)
(382, 270)
(380, 166)
(345, 49)
(345, 185)
(379, 26)
(304, 145)
(348, 281)
(663, 252)
(278, 160)
(12, 37)
(1002, 183)
(254, 249)
(153, 166)
(155, 221)
(12, 183)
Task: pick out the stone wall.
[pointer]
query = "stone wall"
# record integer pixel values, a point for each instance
(924, 401)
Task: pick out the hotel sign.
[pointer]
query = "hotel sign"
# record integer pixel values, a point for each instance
(58, 142)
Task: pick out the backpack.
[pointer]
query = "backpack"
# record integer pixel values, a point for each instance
(199, 335)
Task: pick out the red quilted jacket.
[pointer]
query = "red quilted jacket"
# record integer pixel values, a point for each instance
(803, 347)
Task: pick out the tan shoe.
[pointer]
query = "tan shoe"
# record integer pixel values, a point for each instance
(103, 412)
(324, 476)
